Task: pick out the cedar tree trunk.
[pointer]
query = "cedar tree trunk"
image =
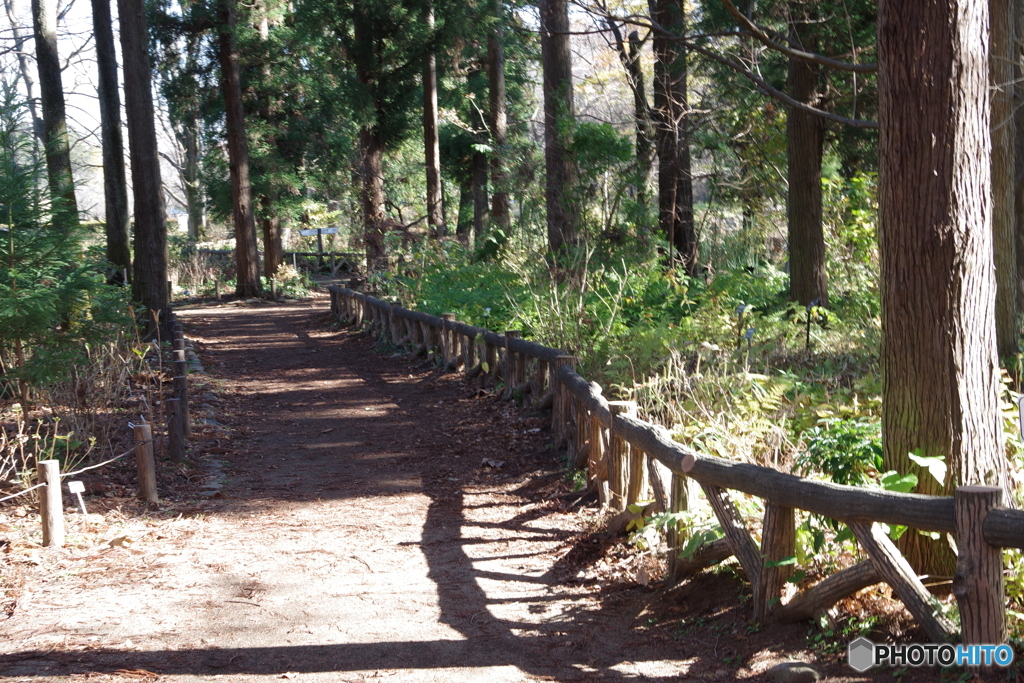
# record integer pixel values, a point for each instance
(431, 141)
(675, 184)
(51, 94)
(500, 218)
(115, 186)
(940, 391)
(805, 137)
(246, 253)
(1003, 139)
(559, 119)
(149, 267)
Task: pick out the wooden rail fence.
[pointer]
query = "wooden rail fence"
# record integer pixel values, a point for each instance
(619, 452)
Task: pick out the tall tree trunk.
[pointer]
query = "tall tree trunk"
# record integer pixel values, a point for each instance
(149, 284)
(273, 252)
(559, 119)
(25, 70)
(1004, 127)
(675, 183)
(940, 391)
(431, 141)
(476, 84)
(497, 107)
(247, 257)
(805, 138)
(371, 196)
(464, 226)
(115, 186)
(55, 130)
(188, 138)
(1018, 72)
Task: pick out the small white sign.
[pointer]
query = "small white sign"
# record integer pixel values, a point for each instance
(309, 232)
(76, 487)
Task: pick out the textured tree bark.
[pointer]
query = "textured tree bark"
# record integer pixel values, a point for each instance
(500, 218)
(371, 196)
(675, 184)
(630, 58)
(149, 268)
(559, 120)
(1018, 143)
(115, 186)
(246, 254)
(1004, 130)
(805, 137)
(51, 94)
(273, 252)
(939, 365)
(431, 141)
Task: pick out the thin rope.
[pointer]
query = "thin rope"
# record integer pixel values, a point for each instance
(92, 467)
(22, 493)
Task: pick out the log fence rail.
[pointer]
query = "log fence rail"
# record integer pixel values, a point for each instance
(625, 457)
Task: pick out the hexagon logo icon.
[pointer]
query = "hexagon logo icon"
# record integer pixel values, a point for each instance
(861, 654)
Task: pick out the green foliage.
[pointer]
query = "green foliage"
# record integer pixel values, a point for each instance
(849, 451)
(53, 302)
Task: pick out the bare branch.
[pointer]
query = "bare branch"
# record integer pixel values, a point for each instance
(758, 33)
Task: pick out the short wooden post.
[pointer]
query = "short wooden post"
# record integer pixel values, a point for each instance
(540, 378)
(145, 462)
(491, 358)
(392, 326)
(175, 431)
(678, 534)
(978, 583)
(512, 360)
(778, 542)
(469, 355)
(638, 480)
(618, 456)
(580, 447)
(51, 502)
(560, 412)
(447, 339)
(428, 341)
(216, 288)
(181, 393)
(597, 464)
(273, 289)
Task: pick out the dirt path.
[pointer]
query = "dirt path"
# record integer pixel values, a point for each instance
(358, 517)
(358, 534)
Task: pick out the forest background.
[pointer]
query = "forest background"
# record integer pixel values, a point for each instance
(686, 196)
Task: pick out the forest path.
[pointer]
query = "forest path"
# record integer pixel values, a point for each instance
(358, 535)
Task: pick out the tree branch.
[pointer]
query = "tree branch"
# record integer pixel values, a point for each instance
(758, 33)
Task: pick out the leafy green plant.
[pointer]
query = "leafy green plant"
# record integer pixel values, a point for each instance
(848, 451)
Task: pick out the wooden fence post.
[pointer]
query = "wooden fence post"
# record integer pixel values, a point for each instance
(597, 461)
(145, 462)
(618, 456)
(638, 479)
(51, 502)
(560, 412)
(175, 430)
(778, 542)
(447, 350)
(491, 358)
(469, 356)
(216, 288)
(678, 534)
(540, 379)
(512, 361)
(978, 583)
